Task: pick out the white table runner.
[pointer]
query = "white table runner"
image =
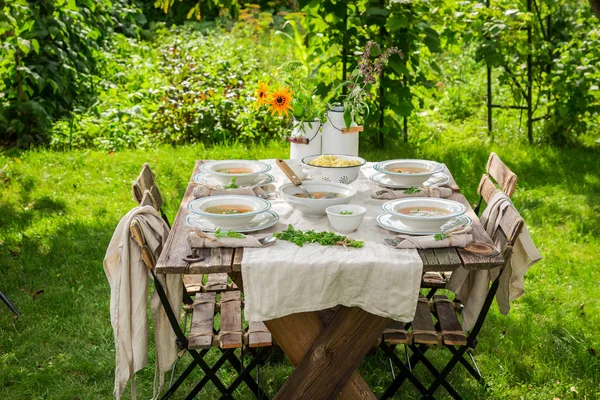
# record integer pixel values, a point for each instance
(285, 279)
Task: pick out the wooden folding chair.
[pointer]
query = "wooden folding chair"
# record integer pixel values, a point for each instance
(216, 297)
(497, 171)
(436, 324)
(506, 181)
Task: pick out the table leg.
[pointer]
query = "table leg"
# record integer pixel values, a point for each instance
(326, 356)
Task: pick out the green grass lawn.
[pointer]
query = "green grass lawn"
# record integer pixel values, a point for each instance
(58, 212)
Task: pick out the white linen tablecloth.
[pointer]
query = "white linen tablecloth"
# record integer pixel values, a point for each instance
(285, 279)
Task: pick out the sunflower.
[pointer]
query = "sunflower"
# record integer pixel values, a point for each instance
(262, 94)
(280, 101)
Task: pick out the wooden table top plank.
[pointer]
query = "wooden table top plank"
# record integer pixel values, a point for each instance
(230, 260)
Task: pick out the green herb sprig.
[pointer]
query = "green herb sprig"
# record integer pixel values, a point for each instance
(232, 234)
(346, 212)
(412, 190)
(300, 238)
(441, 236)
(232, 184)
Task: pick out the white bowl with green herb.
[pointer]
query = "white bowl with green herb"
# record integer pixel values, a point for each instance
(345, 218)
(324, 194)
(245, 171)
(229, 211)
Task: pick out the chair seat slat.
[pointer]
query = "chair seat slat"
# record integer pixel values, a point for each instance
(396, 334)
(230, 334)
(450, 329)
(258, 335)
(201, 333)
(423, 330)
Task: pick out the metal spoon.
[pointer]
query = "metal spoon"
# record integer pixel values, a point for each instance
(293, 177)
(267, 241)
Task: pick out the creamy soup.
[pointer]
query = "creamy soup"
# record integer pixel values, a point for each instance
(238, 170)
(228, 209)
(424, 211)
(408, 170)
(320, 195)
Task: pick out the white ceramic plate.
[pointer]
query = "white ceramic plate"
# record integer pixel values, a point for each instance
(382, 179)
(206, 179)
(391, 223)
(263, 220)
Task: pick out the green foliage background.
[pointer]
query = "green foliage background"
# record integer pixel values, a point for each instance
(83, 73)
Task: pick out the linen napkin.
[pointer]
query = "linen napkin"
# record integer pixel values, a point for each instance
(198, 239)
(459, 237)
(211, 190)
(431, 191)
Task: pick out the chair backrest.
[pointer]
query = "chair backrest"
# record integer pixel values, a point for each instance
(146, 193)
(145, 185)
(497, 171)
(506, 179)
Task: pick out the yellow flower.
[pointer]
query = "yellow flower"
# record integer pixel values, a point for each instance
(262, 94)
(280, 101)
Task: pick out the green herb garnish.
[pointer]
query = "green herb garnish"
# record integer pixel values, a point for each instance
(412, 190)
(232, 234)
(346, 212)
(300, 237)
(441, 236)
(232, 184)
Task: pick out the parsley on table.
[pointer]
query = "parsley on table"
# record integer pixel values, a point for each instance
(346, 212)
(232, 234)
(232, 184)
(300, 238)
(412, 190)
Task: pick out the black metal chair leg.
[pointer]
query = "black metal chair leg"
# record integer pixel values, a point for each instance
(436, 373)
(476, 374)
(446, 371)
(9, 304)
(245, 376)
(182, 377)
(244, 373)
(405, 373)
(210, 375)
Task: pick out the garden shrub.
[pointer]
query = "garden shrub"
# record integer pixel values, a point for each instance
(50, 56)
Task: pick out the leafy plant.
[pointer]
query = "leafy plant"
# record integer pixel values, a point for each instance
(360, 82)
(50, 59)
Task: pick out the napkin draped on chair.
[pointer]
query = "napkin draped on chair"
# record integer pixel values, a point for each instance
(471, 287)
(128, 279)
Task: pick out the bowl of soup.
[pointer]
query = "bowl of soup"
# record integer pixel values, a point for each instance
(325, 194)
(424, 214)
(334, 167)
(230, 211)
(245, 171)
(409, 172)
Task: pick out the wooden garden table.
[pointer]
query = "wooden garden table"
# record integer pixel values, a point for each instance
(326, 346)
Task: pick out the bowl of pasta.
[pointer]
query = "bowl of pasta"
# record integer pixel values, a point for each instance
(334, 167)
